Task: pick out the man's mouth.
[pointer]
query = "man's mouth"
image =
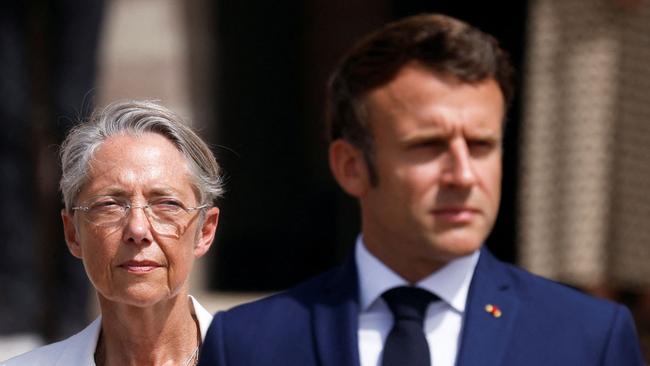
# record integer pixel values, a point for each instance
(455, 215)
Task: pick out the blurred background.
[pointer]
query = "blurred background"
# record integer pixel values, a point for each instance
(251, 75)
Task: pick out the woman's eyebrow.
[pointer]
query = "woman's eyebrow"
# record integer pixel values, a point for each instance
(111, 191)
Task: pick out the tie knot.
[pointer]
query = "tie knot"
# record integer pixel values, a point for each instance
(408, 302)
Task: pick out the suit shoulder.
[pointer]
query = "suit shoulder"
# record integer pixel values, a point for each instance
(558, 298)
(554, 320)
(295, 299)
(278, 328)
(288, 313)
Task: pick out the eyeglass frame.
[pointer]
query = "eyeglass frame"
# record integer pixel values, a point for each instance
(127, 206)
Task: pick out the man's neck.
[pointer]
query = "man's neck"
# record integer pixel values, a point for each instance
(405, 261)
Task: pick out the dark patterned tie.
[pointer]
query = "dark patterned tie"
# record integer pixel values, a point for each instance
(406, 344)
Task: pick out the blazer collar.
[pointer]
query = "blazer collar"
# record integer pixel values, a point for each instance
(202, 316)
(336, 318)
(80, 348)
(490, 315)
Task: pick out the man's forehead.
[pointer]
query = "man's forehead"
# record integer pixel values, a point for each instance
(415, 70)
(422, 95)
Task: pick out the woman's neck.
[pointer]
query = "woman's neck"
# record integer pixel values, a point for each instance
(163, 334)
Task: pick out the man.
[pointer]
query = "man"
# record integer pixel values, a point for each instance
(416, 114)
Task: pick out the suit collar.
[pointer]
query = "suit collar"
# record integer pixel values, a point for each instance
(484, 338)
(485, 334)
(336, 318)
(450, 283)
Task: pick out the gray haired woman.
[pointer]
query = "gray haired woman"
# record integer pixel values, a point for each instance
(139, 189)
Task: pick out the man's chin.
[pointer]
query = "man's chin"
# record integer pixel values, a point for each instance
(455, 246)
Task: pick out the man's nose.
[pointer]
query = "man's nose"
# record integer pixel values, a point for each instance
(458, 170)
(137, 228)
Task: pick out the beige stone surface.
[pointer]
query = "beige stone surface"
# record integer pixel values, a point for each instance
(143, 53)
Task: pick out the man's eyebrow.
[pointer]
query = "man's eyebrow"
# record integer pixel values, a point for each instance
(432, 132)
(424, 137)
(483, 133)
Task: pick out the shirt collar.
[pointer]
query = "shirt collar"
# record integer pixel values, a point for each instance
(450, 283)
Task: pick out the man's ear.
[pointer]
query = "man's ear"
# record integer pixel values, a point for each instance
(70, 233)
(208, 230)
(349, 168)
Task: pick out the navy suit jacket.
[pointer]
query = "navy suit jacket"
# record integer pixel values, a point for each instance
(542, 323)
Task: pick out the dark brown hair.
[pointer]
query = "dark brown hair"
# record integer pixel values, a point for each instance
(446, 45)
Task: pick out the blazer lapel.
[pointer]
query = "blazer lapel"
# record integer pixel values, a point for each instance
(490, 315)
(335, 318)
(80, 348)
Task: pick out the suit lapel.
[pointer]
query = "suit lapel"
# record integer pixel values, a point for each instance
(336, 318)
(486, 334)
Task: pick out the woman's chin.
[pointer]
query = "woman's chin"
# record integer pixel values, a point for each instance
(139, 296)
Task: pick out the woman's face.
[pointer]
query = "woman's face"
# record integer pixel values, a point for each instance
(131, 261)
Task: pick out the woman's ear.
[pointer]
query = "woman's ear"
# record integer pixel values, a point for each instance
(349, 167)
(208, 230)
(70, 234)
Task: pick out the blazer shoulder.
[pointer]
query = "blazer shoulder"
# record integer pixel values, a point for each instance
(77, 349)
(45, 355)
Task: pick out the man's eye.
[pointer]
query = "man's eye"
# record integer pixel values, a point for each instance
(481, 147)
(430, 144)
(481, 144)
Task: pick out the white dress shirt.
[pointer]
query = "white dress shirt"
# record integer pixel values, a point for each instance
(443, 321)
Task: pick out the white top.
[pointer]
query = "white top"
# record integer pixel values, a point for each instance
(79, 350)
(444, 319)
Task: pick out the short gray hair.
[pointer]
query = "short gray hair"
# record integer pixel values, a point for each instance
(135, 118)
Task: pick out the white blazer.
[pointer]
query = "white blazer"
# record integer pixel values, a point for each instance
(79, 350)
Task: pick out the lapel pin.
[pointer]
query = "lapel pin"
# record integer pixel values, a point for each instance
(494, 310)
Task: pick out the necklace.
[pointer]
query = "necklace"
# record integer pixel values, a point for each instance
(193, 359)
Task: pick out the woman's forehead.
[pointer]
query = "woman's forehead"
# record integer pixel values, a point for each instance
(146, 162)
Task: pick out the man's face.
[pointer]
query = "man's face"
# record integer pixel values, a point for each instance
(129, 262)
(438, 152)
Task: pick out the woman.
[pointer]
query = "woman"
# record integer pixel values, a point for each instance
(138, 188)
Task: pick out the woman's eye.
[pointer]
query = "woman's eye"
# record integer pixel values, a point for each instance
(170, 203)
(167, 205)
(104, 204)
